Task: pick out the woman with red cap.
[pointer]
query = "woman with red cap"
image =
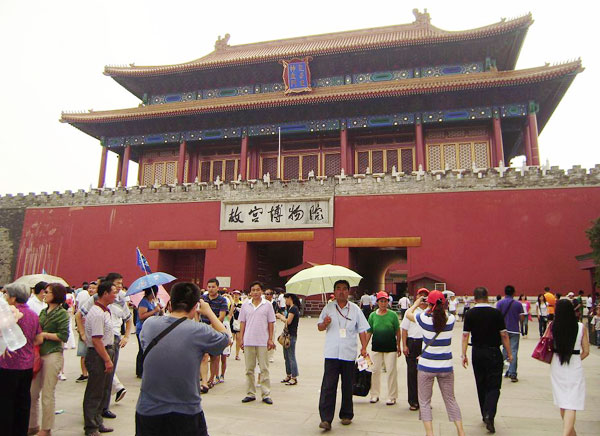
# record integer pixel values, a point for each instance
(436, 360)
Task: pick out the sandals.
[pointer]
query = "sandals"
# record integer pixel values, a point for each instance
(293, 381)
(286, 380)
(237, 358)
(413, 408)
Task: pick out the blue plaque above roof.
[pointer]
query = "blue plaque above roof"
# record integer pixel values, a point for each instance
(296, 75)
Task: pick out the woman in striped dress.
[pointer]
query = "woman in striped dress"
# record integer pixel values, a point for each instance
(436, 360)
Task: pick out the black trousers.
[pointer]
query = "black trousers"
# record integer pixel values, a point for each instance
(366, 310)
(487, 367)
(97, 385)
(15, 401)
(139, 363)
(543, 323)
(414, 351)
(172, 424)
(116, 348)
(334, 369)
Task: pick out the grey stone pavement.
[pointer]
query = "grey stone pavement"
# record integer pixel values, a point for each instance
(525, 408)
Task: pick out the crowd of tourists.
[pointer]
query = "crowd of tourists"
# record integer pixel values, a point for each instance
(203, 328)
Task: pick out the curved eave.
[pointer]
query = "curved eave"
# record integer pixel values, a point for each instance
(344, 42)
(331, 94)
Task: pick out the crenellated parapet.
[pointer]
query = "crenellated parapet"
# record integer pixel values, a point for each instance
(419, 182)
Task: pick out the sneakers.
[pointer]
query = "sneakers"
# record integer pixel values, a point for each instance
(107, 414)
(346, 421)
(374, 400)
(120, 394)
(513, 378)
(82, 378)
(61, 376)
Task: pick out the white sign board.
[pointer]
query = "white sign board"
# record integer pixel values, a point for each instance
(224, 282)
(283, 214)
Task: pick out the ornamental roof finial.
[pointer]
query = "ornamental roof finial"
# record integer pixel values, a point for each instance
(421, 18)
(222, 43)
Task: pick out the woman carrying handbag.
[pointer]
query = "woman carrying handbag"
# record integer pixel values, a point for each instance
(571, 346)
(291, 319)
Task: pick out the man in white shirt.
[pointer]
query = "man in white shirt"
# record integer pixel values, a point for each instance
(281, 302)
(365, 304)
(36, 301)
(403, 305)
(344, 322)
(412, 343)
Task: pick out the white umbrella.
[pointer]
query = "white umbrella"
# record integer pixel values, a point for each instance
(448, 294)
(31, 280)
(320, 279)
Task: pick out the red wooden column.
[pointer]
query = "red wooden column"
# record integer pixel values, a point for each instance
(181, 162)
(420, 144)
(102, 175)
(498, 145)
(244, 156)
(527, 143)
(533, 133)
(125, 165)
(119, 169)
(344, 150)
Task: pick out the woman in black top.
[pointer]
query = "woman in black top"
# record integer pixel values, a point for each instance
(234, 313)
(291, 318)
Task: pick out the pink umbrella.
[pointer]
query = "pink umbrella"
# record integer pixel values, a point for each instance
(162, 295)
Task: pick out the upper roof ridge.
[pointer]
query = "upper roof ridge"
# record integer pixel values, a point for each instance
(420, 31)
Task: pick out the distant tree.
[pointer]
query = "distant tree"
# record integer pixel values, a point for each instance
(593, 234)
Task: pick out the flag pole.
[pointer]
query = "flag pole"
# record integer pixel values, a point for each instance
(279, 155)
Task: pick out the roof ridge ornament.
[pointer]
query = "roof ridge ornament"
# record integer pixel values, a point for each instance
(222, 43)
(422, 18)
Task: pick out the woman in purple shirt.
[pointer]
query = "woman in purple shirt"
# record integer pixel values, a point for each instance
(16, 369)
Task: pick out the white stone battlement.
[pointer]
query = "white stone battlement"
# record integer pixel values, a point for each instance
(471, 179)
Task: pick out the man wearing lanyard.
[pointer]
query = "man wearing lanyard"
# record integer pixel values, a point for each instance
(412, 343)
(343, 321)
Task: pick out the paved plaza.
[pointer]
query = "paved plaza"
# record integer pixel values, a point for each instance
(525, 407)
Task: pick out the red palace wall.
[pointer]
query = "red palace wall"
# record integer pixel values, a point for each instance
(528, 238)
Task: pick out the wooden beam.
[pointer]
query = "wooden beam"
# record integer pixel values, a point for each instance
(181, 245)
(405, 241)
(275, 236)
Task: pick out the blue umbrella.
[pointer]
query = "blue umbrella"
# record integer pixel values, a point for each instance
(157, 278)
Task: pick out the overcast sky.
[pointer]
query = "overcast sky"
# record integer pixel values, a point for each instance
(54, 52)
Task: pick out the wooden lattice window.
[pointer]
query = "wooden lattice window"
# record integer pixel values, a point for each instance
(226, 169)
(382, 160)
(462, 155)
(434, 157)
(450, 156)
(310, 162)
(377, 161)
(170, 172)
(291, 167)
(269, 165)
(332, 164)
(408, 160)
(148, 174)
(392, 159)
(362, 161)
(230, 170)
(204, 175)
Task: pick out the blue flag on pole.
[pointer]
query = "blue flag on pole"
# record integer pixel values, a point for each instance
(142, 262)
